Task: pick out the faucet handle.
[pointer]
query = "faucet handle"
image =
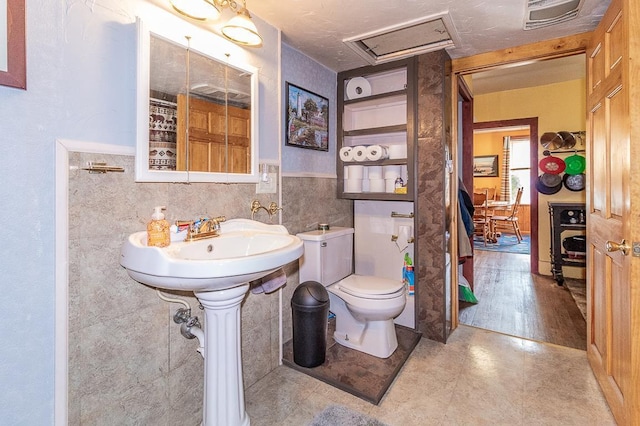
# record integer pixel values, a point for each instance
(273, 208)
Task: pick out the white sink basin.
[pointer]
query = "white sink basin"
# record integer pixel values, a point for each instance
(245, 250)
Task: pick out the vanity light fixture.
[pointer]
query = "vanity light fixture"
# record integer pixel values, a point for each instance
(240, 29)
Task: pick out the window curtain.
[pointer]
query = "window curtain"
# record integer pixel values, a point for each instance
(505, 182)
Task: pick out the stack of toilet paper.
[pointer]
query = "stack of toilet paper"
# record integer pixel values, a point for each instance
(364, 153)
(391, 174)
(376, 181)
(359, 178)
(353, 178)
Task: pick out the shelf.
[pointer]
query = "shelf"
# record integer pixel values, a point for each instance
(387, 162)
(386, 196)
(559, 214)
(387, 117)
(567, 261)
(381, 96)
(567, 226)
(376, 130)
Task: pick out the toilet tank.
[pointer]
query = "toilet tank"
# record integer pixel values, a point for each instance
(328, 255)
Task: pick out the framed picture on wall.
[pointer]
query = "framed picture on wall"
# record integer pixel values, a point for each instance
(13, 69)
(307, 119)
(485, 166)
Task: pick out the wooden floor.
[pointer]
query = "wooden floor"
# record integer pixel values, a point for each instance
(513, 301)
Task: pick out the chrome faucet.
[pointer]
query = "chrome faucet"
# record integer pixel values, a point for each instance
(202, 228)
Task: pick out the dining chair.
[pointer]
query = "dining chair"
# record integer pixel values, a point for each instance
(481, 217)
(509, 222)
(491, 192)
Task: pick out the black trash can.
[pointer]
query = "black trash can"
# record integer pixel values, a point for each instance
(310, 309)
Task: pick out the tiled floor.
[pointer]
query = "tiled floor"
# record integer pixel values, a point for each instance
(478, 378)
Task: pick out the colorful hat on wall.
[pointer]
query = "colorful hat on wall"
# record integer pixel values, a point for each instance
(574, 182)
(553, 165)
(575, 164)
(549, 184)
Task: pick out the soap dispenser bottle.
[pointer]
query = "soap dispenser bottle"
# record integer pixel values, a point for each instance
(158, 229)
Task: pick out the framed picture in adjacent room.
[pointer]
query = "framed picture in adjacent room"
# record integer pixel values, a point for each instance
(307, 119)
(485, 166)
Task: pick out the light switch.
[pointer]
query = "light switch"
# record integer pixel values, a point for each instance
(268, 187)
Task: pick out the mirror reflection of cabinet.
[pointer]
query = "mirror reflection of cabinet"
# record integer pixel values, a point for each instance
(197, 119)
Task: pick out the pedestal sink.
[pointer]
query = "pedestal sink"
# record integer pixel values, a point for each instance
(218, 271)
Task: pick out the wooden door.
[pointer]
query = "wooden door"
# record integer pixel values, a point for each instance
(613, 201)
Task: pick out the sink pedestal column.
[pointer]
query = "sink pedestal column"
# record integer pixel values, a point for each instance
(223, 385)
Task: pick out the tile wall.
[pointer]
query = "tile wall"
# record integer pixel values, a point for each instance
(128, 363)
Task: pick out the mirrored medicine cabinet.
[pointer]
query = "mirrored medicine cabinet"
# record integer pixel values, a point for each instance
(196, 110)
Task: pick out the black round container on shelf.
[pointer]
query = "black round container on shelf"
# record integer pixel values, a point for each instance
(310, 311)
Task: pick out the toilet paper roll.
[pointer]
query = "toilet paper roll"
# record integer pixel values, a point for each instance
(358, 87)
(390, 185)
(353, 185)
(355, 172)
(374, 172)
(360, 153)
(397, 151)
(377, 152)
(377, 185)
(391, 172)
(346, 153)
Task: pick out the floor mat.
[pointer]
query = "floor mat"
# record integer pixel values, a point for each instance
(360, 374)
(338, 415)
(578, 290)
(506, 243)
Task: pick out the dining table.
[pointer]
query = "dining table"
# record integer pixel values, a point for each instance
(492, 206)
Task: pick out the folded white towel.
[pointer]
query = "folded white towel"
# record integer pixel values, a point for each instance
(269, 283)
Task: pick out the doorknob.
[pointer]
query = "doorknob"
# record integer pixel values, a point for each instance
(621, 246)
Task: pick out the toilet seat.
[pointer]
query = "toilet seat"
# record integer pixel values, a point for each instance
(369, 287)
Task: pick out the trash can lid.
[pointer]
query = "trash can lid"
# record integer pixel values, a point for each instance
(310, 293)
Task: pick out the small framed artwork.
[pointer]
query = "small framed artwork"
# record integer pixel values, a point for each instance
(13, 69)
(485, 166)
(307, 119)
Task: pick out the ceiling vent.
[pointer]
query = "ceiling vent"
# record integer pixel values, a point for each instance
(407, 39)
(543, 13)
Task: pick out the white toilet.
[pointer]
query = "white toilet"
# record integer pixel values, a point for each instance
(364, 306)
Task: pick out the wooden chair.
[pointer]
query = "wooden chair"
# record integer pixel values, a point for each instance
(481, 217)
(491, 192)
(509, 222)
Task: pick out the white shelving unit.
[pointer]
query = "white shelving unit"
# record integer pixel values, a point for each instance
(382, 115)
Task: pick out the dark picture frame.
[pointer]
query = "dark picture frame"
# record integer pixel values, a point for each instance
(15, 72)
(485, 166)
(307, 124)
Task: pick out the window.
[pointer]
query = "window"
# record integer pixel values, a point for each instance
(520, 170)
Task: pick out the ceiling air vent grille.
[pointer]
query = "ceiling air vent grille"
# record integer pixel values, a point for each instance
(543, 13)
(406, 39)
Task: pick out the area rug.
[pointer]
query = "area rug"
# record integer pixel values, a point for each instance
(335, 415)
(360, 374)
(507, 243)
(578, 290)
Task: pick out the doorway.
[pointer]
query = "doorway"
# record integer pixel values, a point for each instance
(513, 298)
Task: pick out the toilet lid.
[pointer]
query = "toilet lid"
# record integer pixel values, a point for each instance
(370, 287)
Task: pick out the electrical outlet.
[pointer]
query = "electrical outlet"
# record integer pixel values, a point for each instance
(268, 187)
